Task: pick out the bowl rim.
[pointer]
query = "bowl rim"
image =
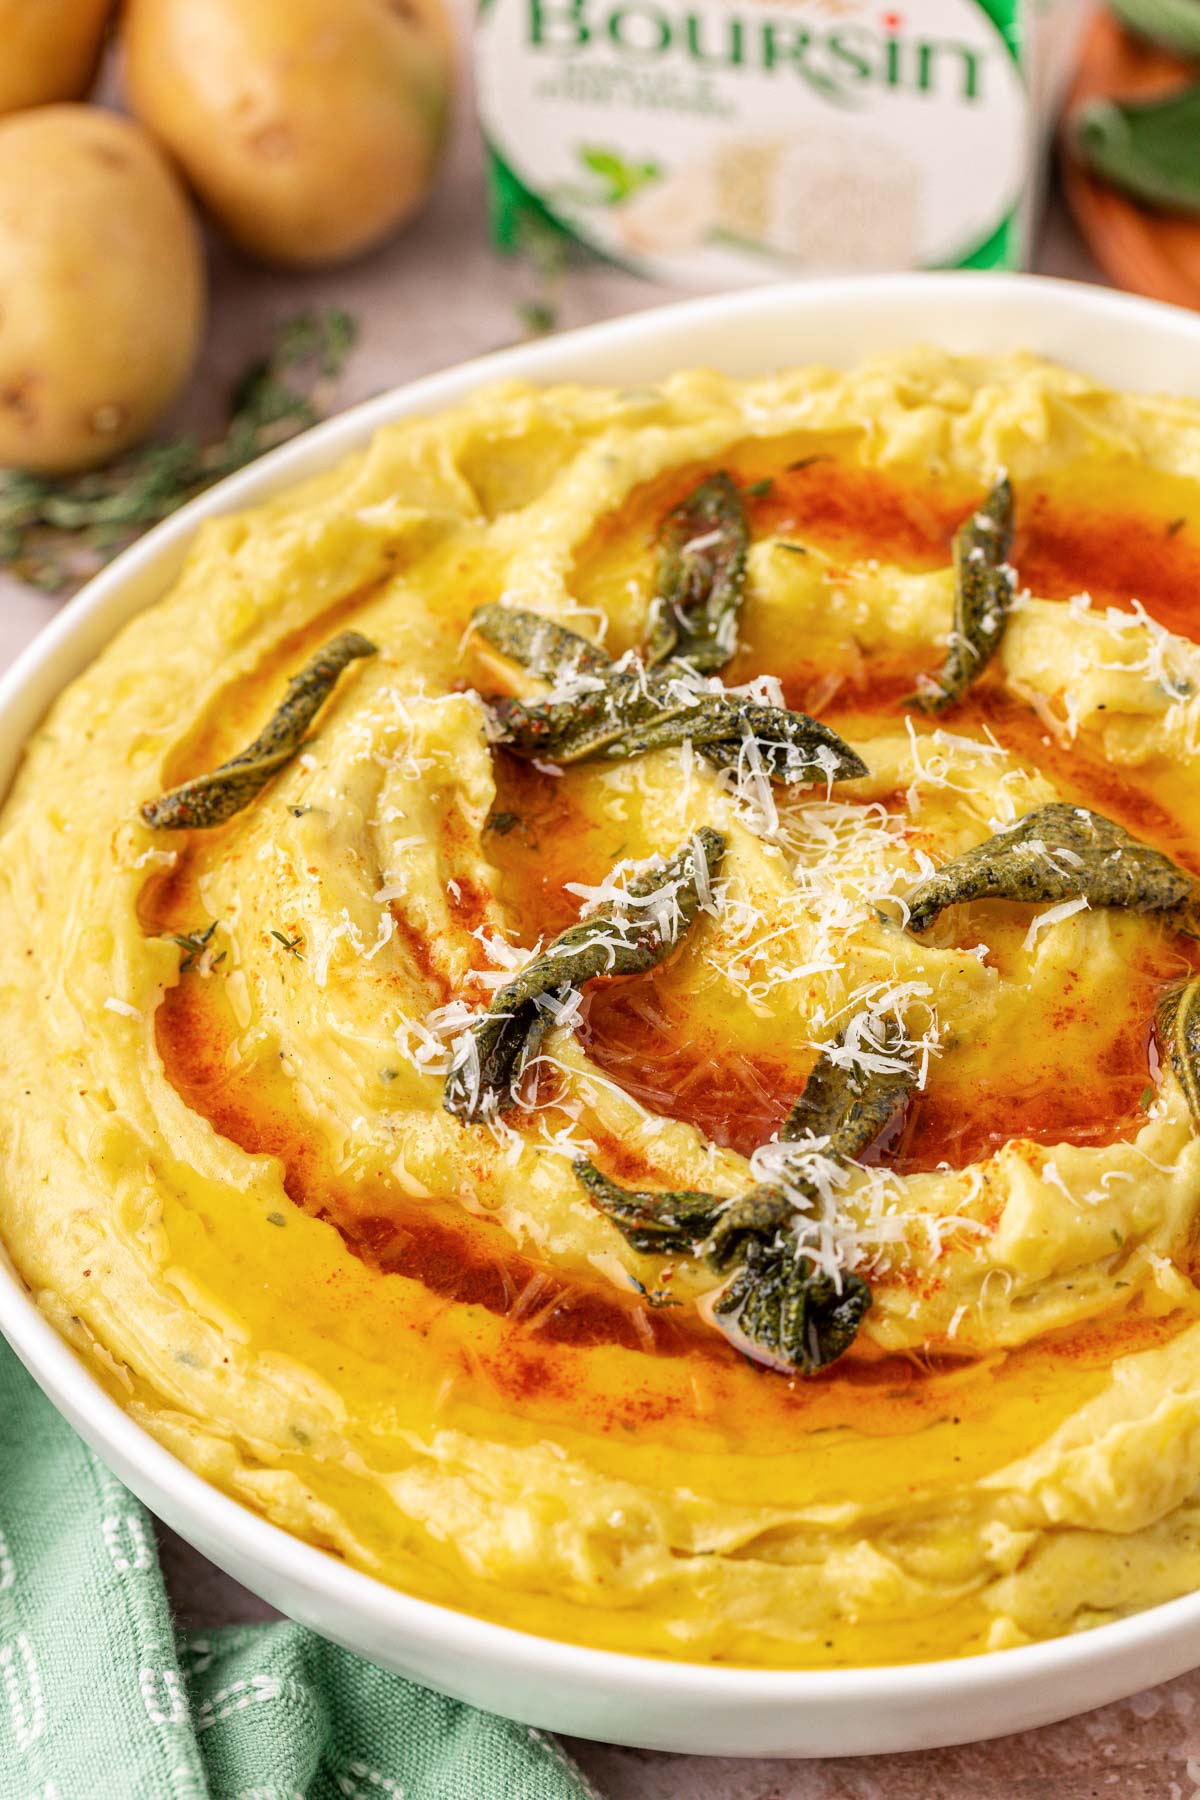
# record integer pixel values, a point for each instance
(87, 622)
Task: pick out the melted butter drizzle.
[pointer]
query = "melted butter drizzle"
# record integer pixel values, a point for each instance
(456, 1256)
(464, 1261)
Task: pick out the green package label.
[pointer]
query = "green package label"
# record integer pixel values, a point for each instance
(712, 143)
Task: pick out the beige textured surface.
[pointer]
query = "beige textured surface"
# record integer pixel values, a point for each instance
(434, 297)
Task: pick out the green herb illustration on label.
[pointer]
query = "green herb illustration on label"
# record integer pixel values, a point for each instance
(619, 178)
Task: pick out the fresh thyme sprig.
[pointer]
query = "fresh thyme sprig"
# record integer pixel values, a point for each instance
(194, 944)
(546, 251)
(55, 532)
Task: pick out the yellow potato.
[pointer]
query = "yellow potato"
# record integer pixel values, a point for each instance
(101, 287)
(49, 49)
(310, 128)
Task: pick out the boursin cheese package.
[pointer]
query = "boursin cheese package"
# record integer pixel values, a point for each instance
(711, 143)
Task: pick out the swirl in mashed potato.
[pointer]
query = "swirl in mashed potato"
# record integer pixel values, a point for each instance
(226, 1172)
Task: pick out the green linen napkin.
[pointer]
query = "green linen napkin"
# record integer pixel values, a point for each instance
(100, 1700)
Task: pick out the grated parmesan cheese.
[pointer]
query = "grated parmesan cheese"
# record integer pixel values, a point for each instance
(1042, 921)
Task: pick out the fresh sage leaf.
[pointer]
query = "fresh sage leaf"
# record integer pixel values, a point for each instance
(700, 578)
(212, 799)
(983, 597)
(1149, 149)
(1056, 852)
(1175, 23)
(621, 938)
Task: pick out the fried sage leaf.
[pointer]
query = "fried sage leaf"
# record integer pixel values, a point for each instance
(983, 597)
(213, 798)
(1177, 1022)
(618, 939)
(791, 746)
(658, 1223)
(539, 644)
(781, 1304)
(754, 1217)
(635, 713)
(778, 1304)
(665, 1222)
(700, 578)
(851, 1098)
(612, 711)
(846, 1104)
(1056, 852)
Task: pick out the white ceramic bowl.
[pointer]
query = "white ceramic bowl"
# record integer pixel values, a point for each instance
(594, 1693)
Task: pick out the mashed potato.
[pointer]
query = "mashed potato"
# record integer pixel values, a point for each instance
(227, 1173)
